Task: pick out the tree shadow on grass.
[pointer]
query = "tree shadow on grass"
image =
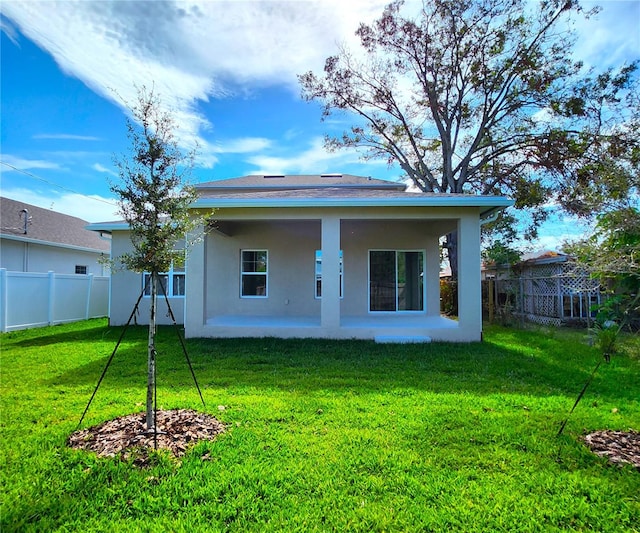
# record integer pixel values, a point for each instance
(355, 366)
(52, 337)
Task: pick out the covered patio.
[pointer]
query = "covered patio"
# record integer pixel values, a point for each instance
(380, 328)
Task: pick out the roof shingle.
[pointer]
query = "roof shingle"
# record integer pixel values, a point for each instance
(47, 226)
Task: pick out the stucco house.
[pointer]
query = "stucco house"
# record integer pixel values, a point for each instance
(33, 239)
(50, 268)
(329, 256)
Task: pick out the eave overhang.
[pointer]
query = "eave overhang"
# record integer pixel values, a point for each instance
(488, 205)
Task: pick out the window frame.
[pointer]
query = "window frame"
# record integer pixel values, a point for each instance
(318, 275)
(170, 283)
(421, 275)
(244, 273)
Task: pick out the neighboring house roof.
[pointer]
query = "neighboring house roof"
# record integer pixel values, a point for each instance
(544, 258)
(48, 227)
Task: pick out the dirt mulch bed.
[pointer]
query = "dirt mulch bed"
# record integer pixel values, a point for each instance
(617, 446)
(177, 431)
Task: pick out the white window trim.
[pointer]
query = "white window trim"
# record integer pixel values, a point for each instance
(318, 276)
(170, 281)
(424, 285)
(265, 274)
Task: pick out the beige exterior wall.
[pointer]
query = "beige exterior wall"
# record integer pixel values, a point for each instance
(291, 237)
(358, 237)
(126, 287)
(291, 250)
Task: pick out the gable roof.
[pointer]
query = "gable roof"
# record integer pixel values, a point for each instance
(322, 190)
(262, 182)
(331, 190)
(47, 227)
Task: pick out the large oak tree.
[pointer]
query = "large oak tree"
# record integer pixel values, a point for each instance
(481, 96)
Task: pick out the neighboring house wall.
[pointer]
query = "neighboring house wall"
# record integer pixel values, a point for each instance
(51, 267)
(126, 287)
(33, 239)
(22, 256)
(12, 255)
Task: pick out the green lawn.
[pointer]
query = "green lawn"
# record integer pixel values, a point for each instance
(322, 435)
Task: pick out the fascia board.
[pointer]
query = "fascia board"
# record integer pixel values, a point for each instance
(107, 227)
(486, 204)
(55, 244)
(490, 203)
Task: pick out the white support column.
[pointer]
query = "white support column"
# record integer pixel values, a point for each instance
(195, 281)
(432, 276)
(330, 304)
(469, 287)
(52, 296)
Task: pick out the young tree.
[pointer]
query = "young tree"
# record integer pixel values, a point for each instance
(477, 96)
(154, 199)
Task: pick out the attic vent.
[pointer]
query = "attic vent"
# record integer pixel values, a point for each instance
(273, 176)
(330, 175)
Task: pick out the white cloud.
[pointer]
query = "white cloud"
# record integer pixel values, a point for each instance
(9, 30)
(557, 230)
(242, 146)
(66, 137)
(188, 52)
(103, 170)
(316, 159)
(92, 208)
(611, 37)
(12, 163)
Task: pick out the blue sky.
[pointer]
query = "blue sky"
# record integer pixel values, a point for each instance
(228, 72)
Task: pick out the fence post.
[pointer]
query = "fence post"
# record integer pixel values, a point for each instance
(3, 300)
(52, 280)
(88, 307)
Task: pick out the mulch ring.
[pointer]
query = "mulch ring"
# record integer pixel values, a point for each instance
(617, 446)
(177, 430)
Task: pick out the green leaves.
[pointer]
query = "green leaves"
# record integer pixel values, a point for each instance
(154, 196)
(480, 96)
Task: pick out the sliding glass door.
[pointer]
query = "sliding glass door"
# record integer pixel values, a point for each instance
(396, 280)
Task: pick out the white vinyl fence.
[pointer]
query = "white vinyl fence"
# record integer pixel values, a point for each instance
(30, 299)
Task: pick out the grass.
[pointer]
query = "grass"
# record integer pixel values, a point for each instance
(322, 435)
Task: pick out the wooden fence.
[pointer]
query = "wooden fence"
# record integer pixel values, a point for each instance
(551, 294)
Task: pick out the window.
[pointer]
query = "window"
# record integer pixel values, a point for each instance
(319, 274)
(253, 273)
(396, 280)
(81, 269)
(173, 281)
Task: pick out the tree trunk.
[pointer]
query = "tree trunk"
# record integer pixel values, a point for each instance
(451, 245)
(151, 359)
